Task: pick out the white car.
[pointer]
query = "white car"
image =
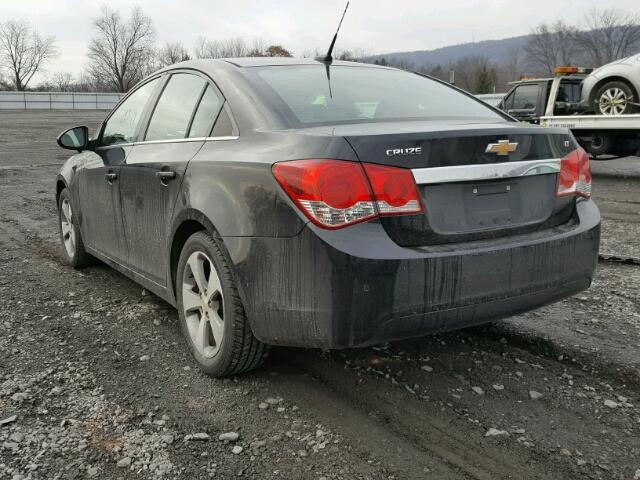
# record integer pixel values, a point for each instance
(613, 89)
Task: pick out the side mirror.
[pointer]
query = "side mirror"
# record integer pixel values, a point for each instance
(76, 138)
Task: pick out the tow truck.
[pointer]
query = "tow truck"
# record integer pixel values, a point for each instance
(555, 102)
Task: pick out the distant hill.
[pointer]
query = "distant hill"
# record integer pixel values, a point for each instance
(498, 51)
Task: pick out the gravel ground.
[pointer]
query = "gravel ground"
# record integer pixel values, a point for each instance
(95, 381)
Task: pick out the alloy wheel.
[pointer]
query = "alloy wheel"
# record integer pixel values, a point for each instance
(202, 303)
(613, 101)
(66, 224)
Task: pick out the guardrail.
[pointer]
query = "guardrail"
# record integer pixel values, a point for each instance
(58, 101)
(491, 98)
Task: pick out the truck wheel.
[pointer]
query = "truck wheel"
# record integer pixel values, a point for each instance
(210, 311)
(598, 144)
(614, 98)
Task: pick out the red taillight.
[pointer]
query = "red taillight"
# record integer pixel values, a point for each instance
(337, 193)
(575, 175)
(395, 190)
(332, 193)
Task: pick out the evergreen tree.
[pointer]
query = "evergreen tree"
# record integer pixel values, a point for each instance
(485, 82)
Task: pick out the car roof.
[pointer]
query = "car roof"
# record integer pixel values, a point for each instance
(248, 62)
(277, 61)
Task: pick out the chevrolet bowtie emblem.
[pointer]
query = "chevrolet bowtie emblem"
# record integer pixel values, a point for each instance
(502, 148)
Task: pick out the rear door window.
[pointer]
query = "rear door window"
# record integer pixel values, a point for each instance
(206, 114)
(173, 112)
(223, 126)
(122, 126)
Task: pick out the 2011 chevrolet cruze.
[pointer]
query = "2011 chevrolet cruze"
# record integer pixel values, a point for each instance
(287, 202)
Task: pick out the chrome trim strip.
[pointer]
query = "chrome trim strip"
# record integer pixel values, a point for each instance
(114, 145)
(490, 171)
(229, 137)
(174, 140)
(171, 140)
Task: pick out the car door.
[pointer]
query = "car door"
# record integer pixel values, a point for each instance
(522, 102)
(98, 180)
(152, 174)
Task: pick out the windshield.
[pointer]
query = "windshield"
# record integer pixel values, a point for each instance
(363, 94)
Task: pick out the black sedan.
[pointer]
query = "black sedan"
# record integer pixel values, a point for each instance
(289, 202)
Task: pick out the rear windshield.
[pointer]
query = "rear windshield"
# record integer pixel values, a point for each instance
(363, 94)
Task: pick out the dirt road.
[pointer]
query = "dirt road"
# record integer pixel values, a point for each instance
(95, 381)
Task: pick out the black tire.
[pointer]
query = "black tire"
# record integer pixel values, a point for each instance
(614, 86)
(239, 351)
(77, 256)
(599, 144)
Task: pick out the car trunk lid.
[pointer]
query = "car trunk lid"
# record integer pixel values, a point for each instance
(476, 181)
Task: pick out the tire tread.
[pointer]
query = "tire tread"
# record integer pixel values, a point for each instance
(247, 352)
(81, 258)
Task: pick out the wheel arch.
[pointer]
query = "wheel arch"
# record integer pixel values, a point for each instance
(61, 184)
(185, 224)
(614, 78)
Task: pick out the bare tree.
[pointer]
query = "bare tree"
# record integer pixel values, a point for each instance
(237, 47)
(257, 49)
(24, 51)
(551, 45)
(470, 69)
(4, 83)
(229, 48)
(609, 34)
(86, 83)
(356, 55)
(172, 53)
(513, 64)
(436, 72)
(62, 82)
(122, 50)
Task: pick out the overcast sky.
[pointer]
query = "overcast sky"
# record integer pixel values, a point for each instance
(375, 26)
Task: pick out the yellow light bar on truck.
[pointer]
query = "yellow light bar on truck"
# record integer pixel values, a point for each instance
(571, 70)
(560, 70)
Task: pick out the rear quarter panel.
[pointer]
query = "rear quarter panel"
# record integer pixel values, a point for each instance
(231, 184)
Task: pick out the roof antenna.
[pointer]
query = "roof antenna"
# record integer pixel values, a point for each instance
(328, 58)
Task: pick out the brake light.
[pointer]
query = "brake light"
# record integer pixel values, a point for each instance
(331, 193)
(395, 190)
(337, 193)
(575, 175)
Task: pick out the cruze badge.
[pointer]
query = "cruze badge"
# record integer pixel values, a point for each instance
(502, 148)
(392, 152)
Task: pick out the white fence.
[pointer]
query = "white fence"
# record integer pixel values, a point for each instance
(102, 101)
(58, 101)
(491, 98)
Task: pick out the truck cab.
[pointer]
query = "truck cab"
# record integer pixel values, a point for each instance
(556, 102)
(530, 99)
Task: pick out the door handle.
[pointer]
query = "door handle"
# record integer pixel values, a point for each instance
(111, 176)
(165, 175)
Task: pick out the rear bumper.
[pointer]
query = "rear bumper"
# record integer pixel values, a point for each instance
(355, 287)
